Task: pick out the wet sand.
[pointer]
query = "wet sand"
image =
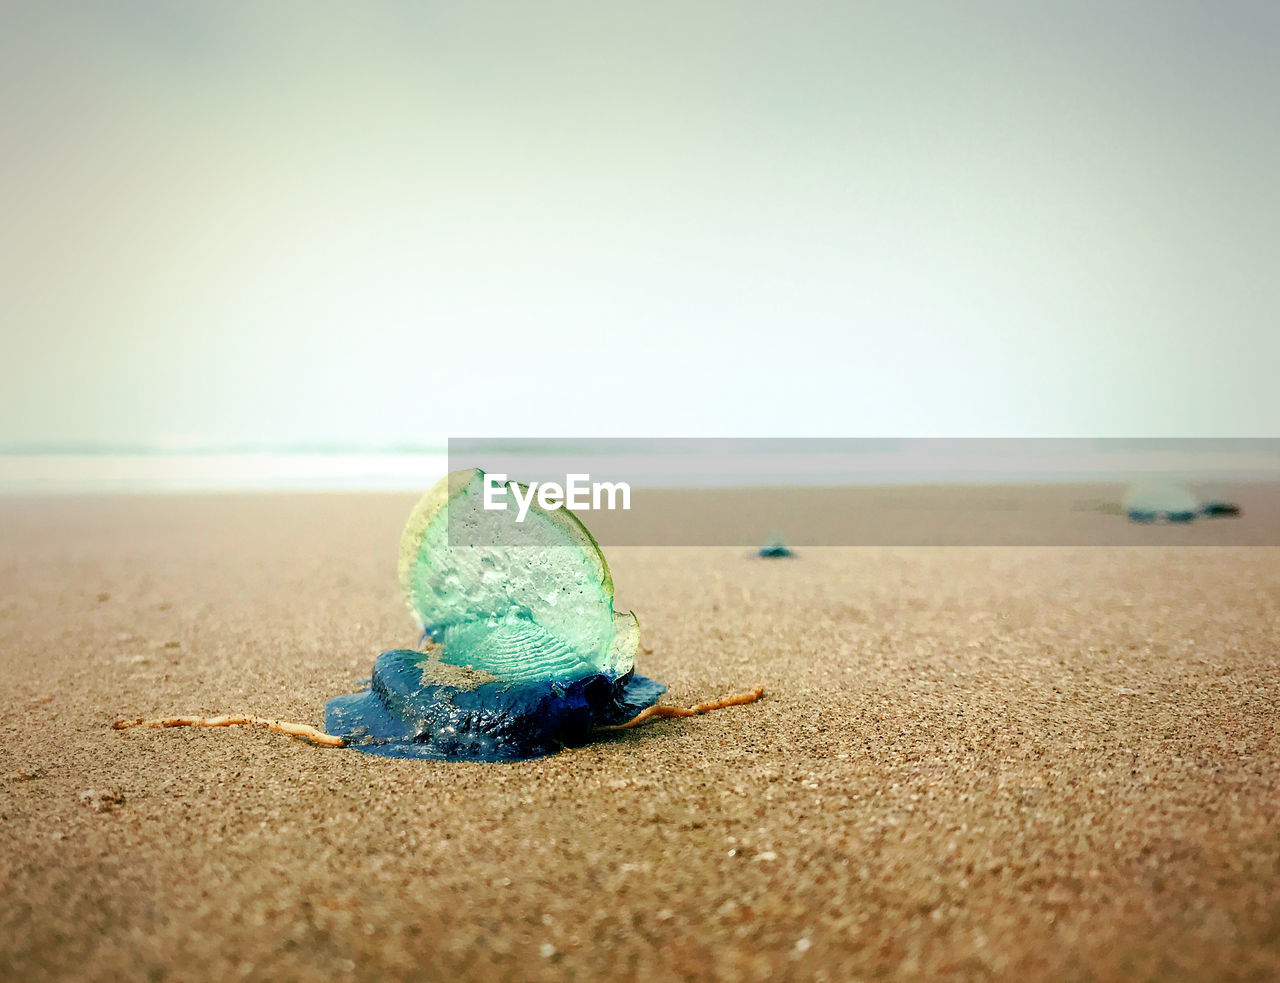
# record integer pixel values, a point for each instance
(971, 763)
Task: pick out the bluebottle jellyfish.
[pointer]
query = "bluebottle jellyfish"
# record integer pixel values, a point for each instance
(522, 652)
(775, 547)
(1160, 501)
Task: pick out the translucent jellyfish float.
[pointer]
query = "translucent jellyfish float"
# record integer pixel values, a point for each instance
(521, 654)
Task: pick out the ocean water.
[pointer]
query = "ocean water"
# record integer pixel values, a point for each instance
(44, 474)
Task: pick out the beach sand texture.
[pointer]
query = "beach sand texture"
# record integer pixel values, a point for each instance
(971, 763)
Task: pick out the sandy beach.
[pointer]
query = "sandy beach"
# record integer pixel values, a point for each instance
(971, 763)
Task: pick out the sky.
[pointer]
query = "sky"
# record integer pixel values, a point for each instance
(390, 223)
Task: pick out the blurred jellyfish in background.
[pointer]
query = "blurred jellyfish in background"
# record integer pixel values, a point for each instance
(1160, 500)
(1214, 504)
(775, 547)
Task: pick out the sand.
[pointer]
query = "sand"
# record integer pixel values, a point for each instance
(971, 763)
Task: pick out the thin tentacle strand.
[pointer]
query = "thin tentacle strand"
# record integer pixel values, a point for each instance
(656, 712)
(234, 720)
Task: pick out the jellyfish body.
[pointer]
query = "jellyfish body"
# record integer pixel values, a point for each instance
(775, 547)
(1160, 501)
(524, 652)
(410, 712)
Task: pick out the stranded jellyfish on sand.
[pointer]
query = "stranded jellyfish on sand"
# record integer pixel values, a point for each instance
(1160, 501)
(775, 547)
(522, 651)
(1165, 501)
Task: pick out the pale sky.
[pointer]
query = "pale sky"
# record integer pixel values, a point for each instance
(387, 223)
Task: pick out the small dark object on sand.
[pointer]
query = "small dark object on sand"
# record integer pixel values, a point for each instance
(1220, 508)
